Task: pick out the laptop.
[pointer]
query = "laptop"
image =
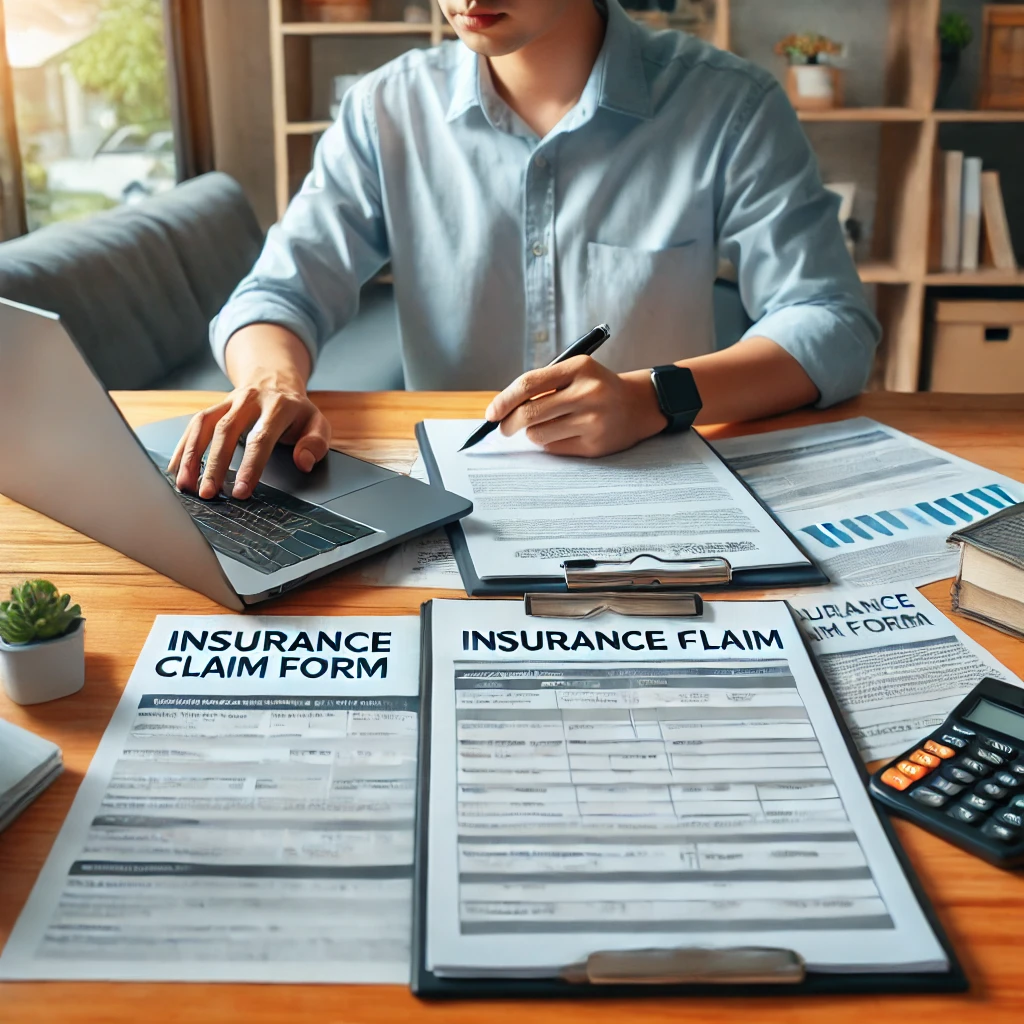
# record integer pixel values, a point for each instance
(68, 453)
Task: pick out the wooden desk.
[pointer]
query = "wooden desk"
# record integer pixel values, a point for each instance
(981, 908)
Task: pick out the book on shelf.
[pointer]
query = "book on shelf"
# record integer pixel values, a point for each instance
(952, 186)
(989, 584)
(970, 214)
(998, 245)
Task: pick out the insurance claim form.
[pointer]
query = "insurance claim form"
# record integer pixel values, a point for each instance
(670, 496)
(248, 815)
(871, 504)
(896, 665)
(626, 783)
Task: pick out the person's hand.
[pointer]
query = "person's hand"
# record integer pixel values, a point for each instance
(580, 407)
(272, 409)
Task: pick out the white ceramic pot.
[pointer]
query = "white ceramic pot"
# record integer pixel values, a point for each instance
(33, 673)
(814, 82)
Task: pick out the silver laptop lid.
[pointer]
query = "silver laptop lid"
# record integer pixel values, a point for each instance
(69, 454)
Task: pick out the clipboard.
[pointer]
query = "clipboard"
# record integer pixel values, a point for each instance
(745, 971)
(687, 573)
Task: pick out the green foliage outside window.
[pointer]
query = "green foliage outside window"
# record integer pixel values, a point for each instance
(124, 60)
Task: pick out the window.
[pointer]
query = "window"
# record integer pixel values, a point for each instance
(91, 104)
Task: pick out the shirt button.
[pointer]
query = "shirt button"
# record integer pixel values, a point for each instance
(539, 249)
(540, 162)
(540, 336)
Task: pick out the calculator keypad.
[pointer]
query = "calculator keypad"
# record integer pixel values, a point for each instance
(974, 779)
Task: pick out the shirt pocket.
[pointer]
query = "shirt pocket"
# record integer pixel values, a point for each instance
(658, 303)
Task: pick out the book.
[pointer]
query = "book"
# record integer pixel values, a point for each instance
(970, 214)
(952, 187)
(28, 764)
(998, 243)
(989, 584)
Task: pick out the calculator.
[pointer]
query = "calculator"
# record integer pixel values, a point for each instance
(965, 782)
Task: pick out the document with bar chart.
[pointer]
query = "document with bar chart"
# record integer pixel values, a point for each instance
(622, 783)
(871, 504)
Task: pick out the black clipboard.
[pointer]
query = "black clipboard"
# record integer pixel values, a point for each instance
(809, 575)
(427, 985)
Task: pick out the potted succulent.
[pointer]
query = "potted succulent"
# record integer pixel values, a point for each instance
(955, 33)
(812, 82)
(42, 644)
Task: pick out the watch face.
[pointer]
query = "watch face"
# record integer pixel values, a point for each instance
(678, 390)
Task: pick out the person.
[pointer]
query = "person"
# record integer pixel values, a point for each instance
(559, 166)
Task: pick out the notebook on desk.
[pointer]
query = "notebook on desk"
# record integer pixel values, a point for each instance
(638, 803)
(660, 510)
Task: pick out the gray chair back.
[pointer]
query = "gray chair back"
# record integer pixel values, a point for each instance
(138, 286)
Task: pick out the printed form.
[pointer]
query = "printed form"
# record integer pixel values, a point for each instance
(896, 664)
(670, 496)
(248, 815)
(625, 783)
(871, 504)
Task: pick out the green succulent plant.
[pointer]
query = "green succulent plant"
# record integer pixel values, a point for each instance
(955, 30)
(36, 611)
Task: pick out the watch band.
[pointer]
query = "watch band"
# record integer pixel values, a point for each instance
(678, 397)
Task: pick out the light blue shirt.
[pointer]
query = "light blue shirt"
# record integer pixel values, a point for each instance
(506, 247)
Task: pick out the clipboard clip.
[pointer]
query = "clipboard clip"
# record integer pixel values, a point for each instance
(742, 965)
(645, 572)
(587, 604)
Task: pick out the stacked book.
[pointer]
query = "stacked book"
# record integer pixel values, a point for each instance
(28, 764)
(989, 585)
(974, 228)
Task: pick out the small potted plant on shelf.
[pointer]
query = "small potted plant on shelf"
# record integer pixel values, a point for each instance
(812, 81)
(42, 644)
(955, 34)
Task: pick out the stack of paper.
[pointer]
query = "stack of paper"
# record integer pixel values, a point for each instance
(671, 497)
(28, 764)
(643, 782)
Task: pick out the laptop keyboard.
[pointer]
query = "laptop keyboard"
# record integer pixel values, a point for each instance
(271, 530)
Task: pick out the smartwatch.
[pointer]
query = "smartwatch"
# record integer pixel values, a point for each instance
(678, 397)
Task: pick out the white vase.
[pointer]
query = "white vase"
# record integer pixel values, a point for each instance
(814, 82)
(33, 673)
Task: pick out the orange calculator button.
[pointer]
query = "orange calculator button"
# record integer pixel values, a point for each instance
(939, 750)
(928, 760)
(896, 779)
(915, 771)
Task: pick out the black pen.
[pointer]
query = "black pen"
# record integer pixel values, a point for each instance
(585, 346)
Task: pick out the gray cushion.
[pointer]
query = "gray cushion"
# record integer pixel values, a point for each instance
(364, 356)
(138, 286)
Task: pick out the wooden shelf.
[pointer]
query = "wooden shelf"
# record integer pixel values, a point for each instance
(880, 272)
(980, 116)
(863, 114)
(987, 276)
(356, 28)
(307, 127)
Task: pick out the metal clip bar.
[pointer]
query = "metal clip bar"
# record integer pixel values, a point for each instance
(587, 604)
(744, 965)
(591, 574)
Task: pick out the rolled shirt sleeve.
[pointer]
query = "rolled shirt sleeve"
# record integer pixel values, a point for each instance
(331, 240)
(779, 226)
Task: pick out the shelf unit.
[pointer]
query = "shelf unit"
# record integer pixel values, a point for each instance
(897, 265)
(296, 121)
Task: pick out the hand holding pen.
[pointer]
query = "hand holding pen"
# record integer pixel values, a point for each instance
(576, 406)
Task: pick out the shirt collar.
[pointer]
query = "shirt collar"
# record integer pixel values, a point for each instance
(619, 73)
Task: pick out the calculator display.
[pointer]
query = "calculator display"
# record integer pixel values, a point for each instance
(995, 716)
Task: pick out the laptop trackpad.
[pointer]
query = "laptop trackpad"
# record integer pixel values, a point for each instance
(330, 478)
